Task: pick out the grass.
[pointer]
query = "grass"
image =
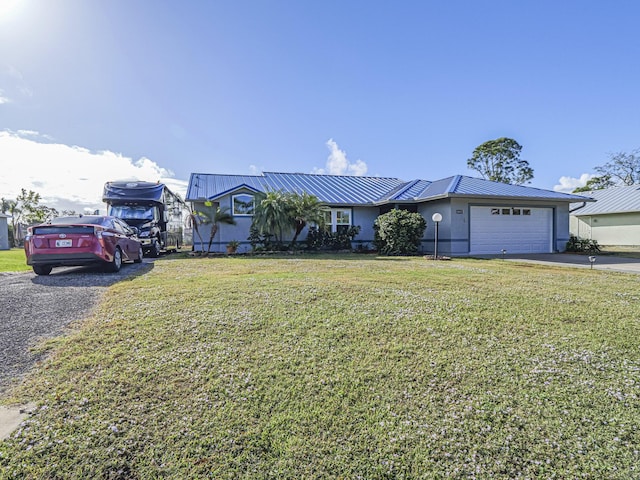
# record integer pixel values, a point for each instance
(13, 260)
(342, 367)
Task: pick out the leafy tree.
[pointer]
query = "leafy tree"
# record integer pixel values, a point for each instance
(596, 183)
(399, 232)
(7, 205)
(26, 209)
(622, 168)
(499, 160)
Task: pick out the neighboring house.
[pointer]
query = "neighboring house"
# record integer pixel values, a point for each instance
(478, 216)
(614, 219)
(4, 232)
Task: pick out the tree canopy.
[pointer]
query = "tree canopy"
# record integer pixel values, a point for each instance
(26, 209)
(596, 183)
(499, 160)
(622, 168)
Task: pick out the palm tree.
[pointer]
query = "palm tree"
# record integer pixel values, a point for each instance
(272, 215)
(193, 221)
(304, 208)
(220, 215)
(215, 216)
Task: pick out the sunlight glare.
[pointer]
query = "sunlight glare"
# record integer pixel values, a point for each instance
(7, 7)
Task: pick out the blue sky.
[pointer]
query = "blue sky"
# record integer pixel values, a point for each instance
(405, 89)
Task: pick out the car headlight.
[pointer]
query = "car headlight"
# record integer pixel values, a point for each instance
(143, 234)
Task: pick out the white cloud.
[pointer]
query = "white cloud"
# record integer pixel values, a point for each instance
(255, 170)
(70, 177)
(3, 99)
(338, 164)
(569, 184)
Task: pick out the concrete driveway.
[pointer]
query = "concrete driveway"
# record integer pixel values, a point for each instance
(602, 262)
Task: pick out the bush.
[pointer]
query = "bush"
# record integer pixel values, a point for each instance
(399, 232)
(259, 242)
(582, 245)
(321, 239)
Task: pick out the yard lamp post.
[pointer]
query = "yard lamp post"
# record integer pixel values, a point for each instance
(592, 260)
(437, 218)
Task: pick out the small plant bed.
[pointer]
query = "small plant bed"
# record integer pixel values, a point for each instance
(341, 366)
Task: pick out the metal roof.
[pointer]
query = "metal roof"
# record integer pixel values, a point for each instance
(470, 186)
(611, 200)
(330, 189)
(354, 190)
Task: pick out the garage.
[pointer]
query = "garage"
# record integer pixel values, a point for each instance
(514, 229)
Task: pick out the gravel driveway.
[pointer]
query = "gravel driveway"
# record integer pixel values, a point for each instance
(35, 307)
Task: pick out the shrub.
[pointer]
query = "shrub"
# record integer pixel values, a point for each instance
(399, 232)
(259, 242)
(321, 239)
(582, 245)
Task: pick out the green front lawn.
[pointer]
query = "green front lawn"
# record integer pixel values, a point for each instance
(13, 260)
(342, 367)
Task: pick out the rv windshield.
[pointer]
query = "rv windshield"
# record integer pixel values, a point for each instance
(128, 212)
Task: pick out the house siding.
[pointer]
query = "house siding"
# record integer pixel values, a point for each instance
(445, 227)
(610, 229)
(364, 217)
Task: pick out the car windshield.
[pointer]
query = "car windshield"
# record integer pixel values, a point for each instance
(127, 212)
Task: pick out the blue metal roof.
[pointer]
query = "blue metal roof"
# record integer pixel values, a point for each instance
(470, 186)
(611, 200)
(330, 189)
(353, 190)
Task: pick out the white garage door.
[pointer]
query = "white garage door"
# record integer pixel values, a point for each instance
(515, 229)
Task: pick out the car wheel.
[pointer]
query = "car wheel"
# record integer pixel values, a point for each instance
(116, 263)
(42, 269)
(155, 248)
(140, 255)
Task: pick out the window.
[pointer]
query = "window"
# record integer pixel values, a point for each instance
(495, 211)
(337, 219)
(243, 204)
(343, 220)
(526, 211)
(516, 211)
(506, 211)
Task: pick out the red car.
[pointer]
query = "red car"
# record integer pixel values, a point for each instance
(81, 240)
